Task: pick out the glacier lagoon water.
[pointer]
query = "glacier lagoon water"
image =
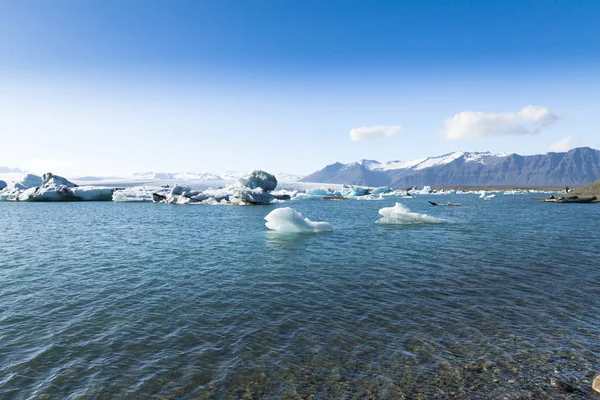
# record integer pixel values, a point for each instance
(105, 300)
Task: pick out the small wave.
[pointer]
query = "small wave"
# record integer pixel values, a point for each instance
(288, 220)
(402, 215)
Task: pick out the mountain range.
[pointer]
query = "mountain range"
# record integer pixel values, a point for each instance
(576, 167)
(7, 170)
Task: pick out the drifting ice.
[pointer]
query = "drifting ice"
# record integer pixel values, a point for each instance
(288, 220)
(401, 215)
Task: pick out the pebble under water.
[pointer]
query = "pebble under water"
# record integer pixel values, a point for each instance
(140, 301)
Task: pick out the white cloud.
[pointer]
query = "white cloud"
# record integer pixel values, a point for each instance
(472, 124)
(564, 144)
(372, 132)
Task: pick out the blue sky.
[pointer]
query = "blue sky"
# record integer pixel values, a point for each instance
(112, 87)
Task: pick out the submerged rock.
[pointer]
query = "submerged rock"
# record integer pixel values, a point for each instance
(561, 385)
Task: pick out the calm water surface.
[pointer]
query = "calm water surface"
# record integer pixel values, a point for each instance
(139, 301)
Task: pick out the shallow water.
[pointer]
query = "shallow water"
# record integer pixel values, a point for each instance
(105, 300)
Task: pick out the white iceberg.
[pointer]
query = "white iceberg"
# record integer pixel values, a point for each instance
(234, 194)
(402, 215)
(92, 193)
(137, 194)
(52, 187)
(288, 220)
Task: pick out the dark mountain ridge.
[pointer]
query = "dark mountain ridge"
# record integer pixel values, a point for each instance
(577, 167)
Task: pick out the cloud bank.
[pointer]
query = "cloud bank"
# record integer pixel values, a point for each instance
(564, 144)
(372, 132)
(472, 124)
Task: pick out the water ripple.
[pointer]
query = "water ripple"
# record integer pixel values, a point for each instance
(140, 301)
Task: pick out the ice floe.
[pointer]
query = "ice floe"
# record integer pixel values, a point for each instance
(288, 220)
(401, 215)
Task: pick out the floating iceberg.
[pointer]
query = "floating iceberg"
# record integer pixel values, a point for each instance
(253, 188)
(52, 187)
(288, 220)
(382, 190)
(258, 179)
(401, 215)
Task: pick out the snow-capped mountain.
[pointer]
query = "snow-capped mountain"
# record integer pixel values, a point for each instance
(577, 167)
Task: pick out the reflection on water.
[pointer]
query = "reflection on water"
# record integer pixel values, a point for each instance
(291, 241)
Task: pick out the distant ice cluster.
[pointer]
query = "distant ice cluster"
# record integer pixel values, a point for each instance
(254, 188)
(257, 187)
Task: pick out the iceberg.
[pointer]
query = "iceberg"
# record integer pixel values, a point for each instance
(253, 188)
(179, 195)
(288, 220)
(52, 187)
(28, 181)
(137, 194)
(93, 193)
(382, 190)
(402, 215)
(258, 179)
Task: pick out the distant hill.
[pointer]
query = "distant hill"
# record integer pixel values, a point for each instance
(205, 176)
(576, 167)
(7, 170)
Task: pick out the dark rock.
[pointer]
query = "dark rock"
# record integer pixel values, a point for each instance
(159, 198)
